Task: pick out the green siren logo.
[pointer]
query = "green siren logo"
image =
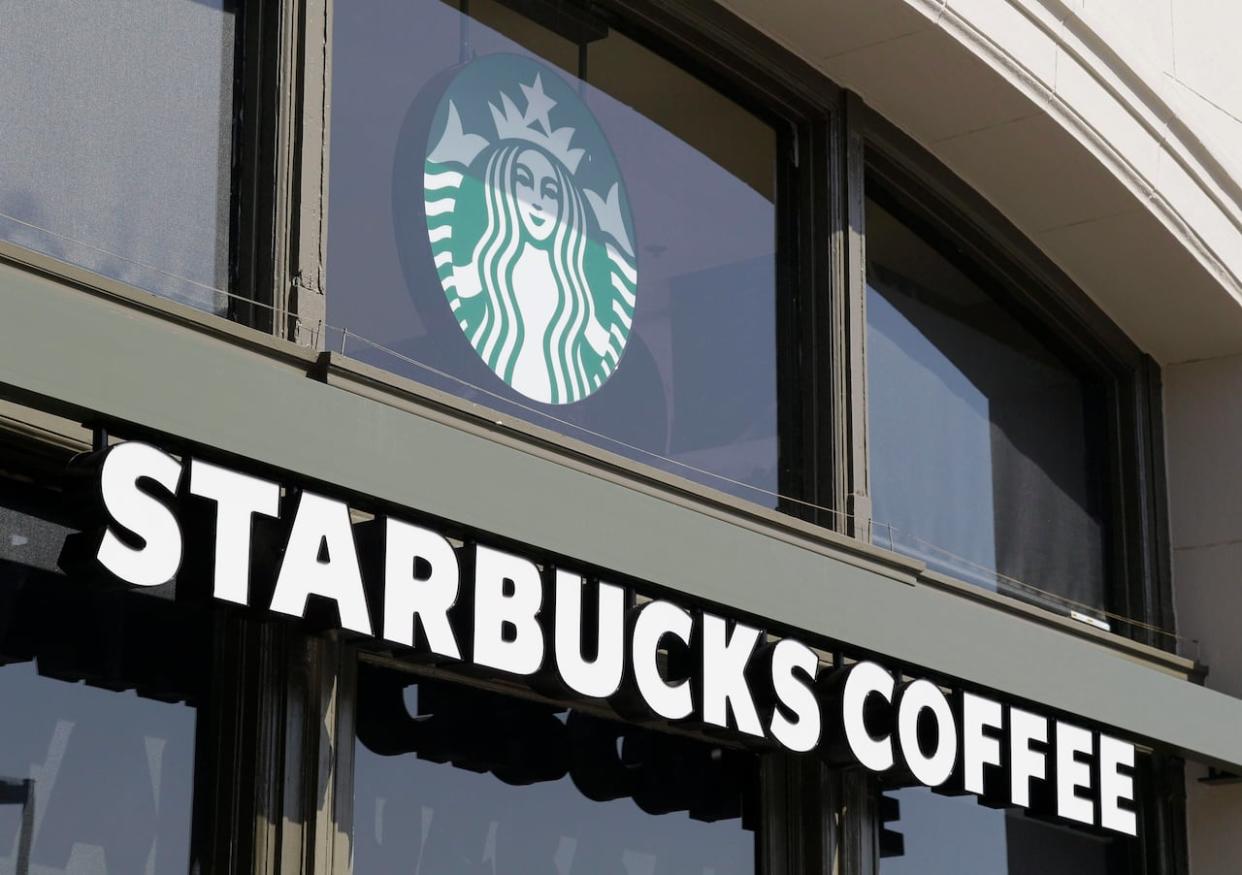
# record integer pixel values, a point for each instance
(530, 228)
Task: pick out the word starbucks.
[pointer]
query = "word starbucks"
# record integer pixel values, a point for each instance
(497, 611)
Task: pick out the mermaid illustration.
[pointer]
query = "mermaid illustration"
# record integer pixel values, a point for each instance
(532, 263)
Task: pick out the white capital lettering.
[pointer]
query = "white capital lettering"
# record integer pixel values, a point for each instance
(158, 559)
(864, 680)
(601, 677)
(322, 521)
(407, 597)
(1116, 787)
(655, 620)
(1025, 763)
(978, 748)
(521, 654)
(1073, 773)
(724, 675)
(238, 498)
(934, 769)
(789, 659)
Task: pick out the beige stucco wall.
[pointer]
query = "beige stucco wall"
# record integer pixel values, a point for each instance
(1192, 44)
(1193, 47)
(1082, 121)
(1203, 413)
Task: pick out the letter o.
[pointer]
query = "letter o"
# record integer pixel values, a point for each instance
(917, 697)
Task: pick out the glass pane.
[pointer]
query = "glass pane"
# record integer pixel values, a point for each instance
(99, 694)
(450, 780)
(540, 215)
(945, 835)
(116, 122)
(984, 441)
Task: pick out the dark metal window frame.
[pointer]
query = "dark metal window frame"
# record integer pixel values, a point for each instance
(278, 227)
(261, 210)
(804, 107)
(257, 217)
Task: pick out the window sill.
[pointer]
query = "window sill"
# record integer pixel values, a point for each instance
(378, 385)
(409, 395)
(146, 375)
(1153, 657)
(165, 309)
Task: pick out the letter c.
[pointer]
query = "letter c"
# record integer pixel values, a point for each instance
(866, 679)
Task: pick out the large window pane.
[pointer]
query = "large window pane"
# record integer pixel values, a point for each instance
(985, 441)
(100, 692)
(116, 121)
(449, 780)
(547, 218)
(943, 835)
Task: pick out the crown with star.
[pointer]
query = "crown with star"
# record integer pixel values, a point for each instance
(534, 126)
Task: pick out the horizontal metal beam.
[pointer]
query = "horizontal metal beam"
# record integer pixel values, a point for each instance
(166, 370)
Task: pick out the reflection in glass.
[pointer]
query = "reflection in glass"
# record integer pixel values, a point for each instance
(984, 441)
(450, 780)
(678, 368)
(98, 729)
(116, 121)
(945, 835)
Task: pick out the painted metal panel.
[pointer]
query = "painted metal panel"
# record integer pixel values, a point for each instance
(233, 390)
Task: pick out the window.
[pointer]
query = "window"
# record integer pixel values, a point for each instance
(987, 443)
(450, 779)
(533, 211)
(102, 694)
(945, 835)
(118, 128)
(1013, 430)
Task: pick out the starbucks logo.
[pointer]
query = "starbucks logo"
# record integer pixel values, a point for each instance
(530, 228)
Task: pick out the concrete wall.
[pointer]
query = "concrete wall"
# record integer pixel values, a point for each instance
(1192, 45)
(1203, 410)
(1084, 121)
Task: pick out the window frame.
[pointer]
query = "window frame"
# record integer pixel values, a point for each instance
(260, 155)
(261, 218)
(1138, 570)
(804, 109)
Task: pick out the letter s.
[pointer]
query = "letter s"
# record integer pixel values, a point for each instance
(157, 560)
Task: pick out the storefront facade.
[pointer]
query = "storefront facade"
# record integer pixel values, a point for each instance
(610, 437)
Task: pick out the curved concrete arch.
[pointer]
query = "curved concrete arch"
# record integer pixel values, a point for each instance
(1069, 128)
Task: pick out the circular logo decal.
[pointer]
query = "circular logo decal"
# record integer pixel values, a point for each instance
(530, 228)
